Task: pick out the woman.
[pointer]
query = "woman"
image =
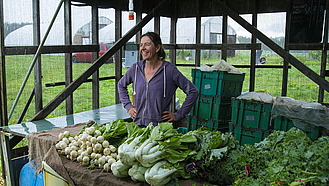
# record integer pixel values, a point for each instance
(154, 84)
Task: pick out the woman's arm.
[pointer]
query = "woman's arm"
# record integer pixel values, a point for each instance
(122, 88)
(191, 92)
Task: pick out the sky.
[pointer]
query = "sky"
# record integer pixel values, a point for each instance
(272, 25)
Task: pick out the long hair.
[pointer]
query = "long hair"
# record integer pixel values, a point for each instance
(155, 38)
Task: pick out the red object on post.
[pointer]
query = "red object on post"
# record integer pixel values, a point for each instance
(131, 16)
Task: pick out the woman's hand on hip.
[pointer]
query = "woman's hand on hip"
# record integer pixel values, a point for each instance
(168, 116)
(132, 112)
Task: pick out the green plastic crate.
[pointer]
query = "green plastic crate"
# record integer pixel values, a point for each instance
(252, 114)
(218, 83)
(284, 124)
(213, 107)
(248, 135)
(182, 130)
(214, 125)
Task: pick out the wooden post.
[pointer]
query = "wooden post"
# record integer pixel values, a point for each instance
(157, 24)
(324, 53)
(95, 38)
(37, 65)
(3, 94)
(173, 27)
(6, 158)
(68, 56)
(198, 35)
(253, 51)
(3, 89)
(172, 51)
(138, 19)
(118, 54)
(224, 37)
(285, 62)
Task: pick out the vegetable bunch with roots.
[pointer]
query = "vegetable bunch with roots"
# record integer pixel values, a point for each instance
(152, 149)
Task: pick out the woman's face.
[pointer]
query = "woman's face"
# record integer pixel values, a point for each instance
(148, 49)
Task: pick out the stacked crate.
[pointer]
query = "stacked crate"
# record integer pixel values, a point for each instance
(284, 124)
(213, 107)
(252, 122)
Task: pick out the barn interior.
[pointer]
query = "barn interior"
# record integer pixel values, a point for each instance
(305, 29)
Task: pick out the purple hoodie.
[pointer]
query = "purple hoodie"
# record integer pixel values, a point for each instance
(154, 97)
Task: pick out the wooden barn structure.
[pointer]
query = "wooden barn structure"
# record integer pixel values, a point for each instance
(313, 38)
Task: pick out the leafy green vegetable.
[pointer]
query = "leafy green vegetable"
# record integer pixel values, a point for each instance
(287, 158)
(163, 131)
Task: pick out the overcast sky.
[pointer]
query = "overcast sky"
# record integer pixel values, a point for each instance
(272, 25)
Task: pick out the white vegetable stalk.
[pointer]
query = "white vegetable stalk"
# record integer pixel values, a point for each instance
(159, 175)
(148, 154)
(120, 170)
(137, 172)
(127, 151)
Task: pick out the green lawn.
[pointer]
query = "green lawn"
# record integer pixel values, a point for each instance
(299, 87)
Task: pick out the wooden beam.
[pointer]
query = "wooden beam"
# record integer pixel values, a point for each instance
(241, 66)
(260, 66)
(88, 80)
(26, 107)
(68, 56)
(26, 50)
(98, 63)
(304, 46)
(276, 48)
(257, 46)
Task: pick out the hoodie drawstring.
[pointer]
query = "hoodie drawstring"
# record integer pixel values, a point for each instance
(164, 81)
(134, 92)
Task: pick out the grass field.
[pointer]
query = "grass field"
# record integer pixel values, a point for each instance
(270, 80)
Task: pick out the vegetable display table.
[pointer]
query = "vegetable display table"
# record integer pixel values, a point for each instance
(42, 136)
(74, 172)
(14, 159)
